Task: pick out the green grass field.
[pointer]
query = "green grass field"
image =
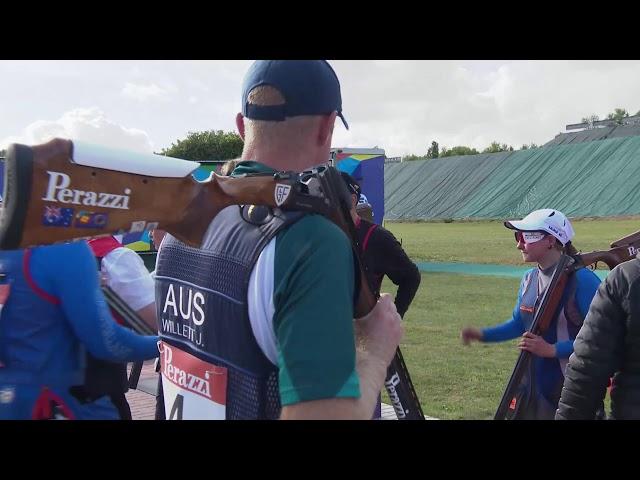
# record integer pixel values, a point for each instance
(491, 242)
(453, 381)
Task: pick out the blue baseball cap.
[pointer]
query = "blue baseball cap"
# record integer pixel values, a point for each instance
(309, 87)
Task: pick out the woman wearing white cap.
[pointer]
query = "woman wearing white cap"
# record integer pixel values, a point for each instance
(542, 237)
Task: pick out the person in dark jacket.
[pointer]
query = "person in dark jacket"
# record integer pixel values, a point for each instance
(383, 254)
(608, 345)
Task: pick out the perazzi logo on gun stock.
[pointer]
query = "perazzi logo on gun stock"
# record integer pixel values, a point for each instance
(57, 191)
(113, 191)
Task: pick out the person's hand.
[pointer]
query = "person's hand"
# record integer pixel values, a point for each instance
(379, 332)
(536, 345)
(469, 334)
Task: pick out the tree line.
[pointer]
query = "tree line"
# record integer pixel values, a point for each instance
(198, 146)
(222, 146)
(618, 116)
(435, 151)
(207, 145)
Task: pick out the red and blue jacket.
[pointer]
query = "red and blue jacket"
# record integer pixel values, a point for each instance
(54, 313)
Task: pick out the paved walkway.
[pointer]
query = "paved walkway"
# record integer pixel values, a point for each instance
(143, 404)
(388, 413)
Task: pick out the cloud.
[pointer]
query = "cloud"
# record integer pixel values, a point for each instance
(399, 105)
(87, 124)
(403, 105)
(143, 93)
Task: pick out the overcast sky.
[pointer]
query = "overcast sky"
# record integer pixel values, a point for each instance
(400, 106)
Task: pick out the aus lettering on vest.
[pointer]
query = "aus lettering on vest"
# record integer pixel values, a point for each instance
(189, 304)
(58, 191)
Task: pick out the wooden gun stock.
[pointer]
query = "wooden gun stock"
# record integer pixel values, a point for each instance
(621, 251)
(58, 191)
(51, 195)
(632, 239)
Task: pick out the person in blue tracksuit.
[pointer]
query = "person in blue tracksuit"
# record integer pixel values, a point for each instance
(542, 237)
(52, 312)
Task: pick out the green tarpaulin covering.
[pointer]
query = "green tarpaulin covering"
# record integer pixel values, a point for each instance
(598, 178)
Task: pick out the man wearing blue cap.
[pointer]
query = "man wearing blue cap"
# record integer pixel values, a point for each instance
(261, 317)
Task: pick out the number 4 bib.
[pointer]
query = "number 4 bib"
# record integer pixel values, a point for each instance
(193, 389)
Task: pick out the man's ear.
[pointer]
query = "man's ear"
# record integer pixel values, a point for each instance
(325, 128)
(240, 125)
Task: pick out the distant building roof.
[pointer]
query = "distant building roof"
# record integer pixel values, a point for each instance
(600, 133)
(359, 151)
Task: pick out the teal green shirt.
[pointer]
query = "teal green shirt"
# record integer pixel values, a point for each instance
(313, 299)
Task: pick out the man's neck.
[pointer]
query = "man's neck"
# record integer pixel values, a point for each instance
(282, 160)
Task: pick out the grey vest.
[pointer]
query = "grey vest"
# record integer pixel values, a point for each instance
(202, 305)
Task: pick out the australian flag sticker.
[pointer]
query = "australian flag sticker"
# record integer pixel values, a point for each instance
(86, 219)
(57, 216)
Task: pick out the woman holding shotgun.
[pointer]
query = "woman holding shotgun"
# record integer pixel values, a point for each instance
(542, 237)
(52, 311)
